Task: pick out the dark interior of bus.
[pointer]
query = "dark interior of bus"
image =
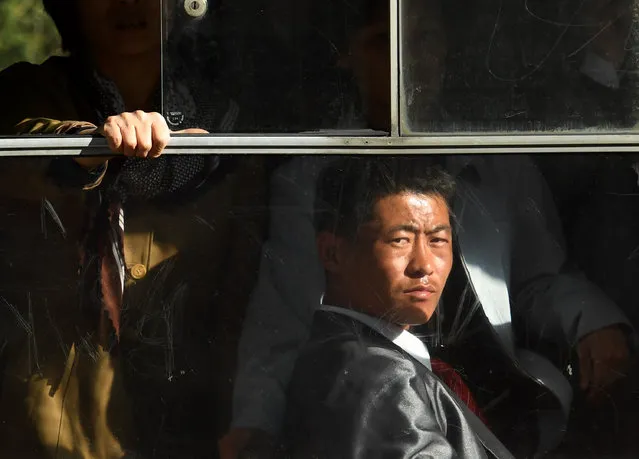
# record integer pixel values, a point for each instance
(186, 357)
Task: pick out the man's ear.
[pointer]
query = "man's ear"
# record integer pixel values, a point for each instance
(329, 248)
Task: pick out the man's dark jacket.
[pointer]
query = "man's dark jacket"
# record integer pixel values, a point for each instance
(357, 395)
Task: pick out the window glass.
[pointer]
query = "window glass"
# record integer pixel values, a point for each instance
(28, 34)
(278, 66)
(153, 307)
(518, 66)
(226, 67)
(82, 364)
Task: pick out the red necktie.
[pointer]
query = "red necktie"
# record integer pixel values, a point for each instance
(106, 274)
(451, 378)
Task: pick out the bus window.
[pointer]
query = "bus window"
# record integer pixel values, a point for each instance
(241, 67)
(277, 66)
(192, 201)
(523, 66)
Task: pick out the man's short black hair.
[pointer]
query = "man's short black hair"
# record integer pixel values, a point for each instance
(348, 189)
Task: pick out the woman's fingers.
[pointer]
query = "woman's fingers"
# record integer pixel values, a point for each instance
(111, 132)
(140, 134)
(143, 124)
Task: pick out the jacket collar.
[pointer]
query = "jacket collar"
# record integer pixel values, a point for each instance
(402, 338)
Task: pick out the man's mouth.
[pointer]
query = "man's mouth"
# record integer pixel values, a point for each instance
(421, 288)
(421, 292)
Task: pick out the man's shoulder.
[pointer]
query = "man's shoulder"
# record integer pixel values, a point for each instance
(352, 348)
(337, 330)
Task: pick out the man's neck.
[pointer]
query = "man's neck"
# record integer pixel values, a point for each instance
(332, 299)
(136, 77)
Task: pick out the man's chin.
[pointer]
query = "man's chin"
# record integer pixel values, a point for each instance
(412, 316)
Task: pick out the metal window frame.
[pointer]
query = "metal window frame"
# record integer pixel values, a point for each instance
(36, 145)
(395, 63)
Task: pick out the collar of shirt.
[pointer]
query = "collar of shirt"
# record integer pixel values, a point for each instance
(400, 337)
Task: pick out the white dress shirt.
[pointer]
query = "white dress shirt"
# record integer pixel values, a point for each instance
(399, 336)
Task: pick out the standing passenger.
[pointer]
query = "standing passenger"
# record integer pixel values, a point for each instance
(134, 353)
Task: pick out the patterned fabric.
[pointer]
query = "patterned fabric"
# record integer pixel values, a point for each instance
(112, 270)
(454, 381)
(140, 177)
(103, 269)
(102, 260)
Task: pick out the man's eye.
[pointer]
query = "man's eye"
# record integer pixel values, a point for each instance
(400, 241)
(439, 241)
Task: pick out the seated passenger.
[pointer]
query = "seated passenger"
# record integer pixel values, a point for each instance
(514, 285)
(133, 352)
(363, 385)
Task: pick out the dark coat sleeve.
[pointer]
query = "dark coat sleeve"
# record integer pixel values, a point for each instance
(378, 406)
(35, 91)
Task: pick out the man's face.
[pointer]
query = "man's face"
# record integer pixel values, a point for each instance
(121, 27)
(397, 266)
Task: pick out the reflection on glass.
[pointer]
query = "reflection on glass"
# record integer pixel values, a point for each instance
(281, 66)
(246, 66)
(118, 336)
(112, 64)
(524, 66)
(543, 255)
(515, 301)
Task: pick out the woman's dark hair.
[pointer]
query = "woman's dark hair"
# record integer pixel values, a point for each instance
(64, 16)
(348, 189)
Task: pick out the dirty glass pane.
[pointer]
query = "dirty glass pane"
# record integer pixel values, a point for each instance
(251, 66)
(151, 312)
(277, 66)
(88, 372)
(529, 65)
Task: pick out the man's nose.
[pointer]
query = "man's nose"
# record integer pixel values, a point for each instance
(421, 260)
